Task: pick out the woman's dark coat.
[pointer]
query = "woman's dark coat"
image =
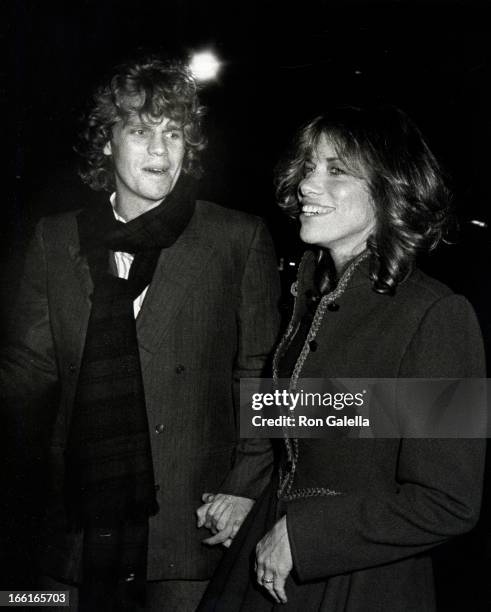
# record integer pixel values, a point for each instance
(396, 498)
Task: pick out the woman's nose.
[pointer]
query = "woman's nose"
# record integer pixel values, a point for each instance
(310, 185)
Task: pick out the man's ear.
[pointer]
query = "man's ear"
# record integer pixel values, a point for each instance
(107, 150)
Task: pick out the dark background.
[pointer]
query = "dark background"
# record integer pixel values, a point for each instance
(282, 62)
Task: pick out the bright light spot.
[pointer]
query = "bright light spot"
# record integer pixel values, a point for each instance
(204, 66)
(478, 223)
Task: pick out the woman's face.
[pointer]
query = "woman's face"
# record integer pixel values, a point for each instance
(337, 211)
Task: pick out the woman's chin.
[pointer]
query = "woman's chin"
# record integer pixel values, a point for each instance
(311, 237)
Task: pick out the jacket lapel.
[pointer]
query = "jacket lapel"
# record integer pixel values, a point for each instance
(176, 276)
(82, 272)
(80, 297)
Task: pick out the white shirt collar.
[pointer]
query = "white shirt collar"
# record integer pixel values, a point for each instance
(112, 199)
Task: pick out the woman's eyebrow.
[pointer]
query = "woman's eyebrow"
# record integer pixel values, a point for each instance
(173, 126)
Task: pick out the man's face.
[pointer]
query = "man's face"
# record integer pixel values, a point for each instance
(147, 160)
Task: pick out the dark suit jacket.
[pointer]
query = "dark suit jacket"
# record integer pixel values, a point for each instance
(209, 317)
(397, 498)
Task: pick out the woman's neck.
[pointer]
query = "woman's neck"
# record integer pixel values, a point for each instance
(342, 259)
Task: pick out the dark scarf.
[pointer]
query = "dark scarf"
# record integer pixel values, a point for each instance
(109, 473)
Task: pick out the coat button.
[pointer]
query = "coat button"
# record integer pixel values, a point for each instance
(313, 345)
(333, 307)
(159, 428)
(72, 368)
(157, 487)
(180, 369)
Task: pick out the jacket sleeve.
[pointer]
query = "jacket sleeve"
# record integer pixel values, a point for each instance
(28, 368)
(437, 485)
(28, 382)
(258, 327)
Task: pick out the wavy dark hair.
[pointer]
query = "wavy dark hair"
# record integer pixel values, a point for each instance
(407, 184)
(151, 88)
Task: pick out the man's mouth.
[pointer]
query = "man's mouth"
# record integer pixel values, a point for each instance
(314, 210)
(155, 170)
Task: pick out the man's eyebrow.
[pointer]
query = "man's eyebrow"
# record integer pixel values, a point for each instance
(139, 122)
(135, 122)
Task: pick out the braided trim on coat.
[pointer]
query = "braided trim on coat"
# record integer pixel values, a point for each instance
(310, 492)
(286, 481)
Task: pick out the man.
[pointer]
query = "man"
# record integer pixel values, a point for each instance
(139, 316)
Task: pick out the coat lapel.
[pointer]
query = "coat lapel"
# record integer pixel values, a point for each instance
(80, 298)
(176, 276)
(82, 271)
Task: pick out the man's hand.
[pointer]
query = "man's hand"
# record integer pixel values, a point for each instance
(223, 515)
(274, 561)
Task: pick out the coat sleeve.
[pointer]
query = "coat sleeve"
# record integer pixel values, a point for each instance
(28, 383)
(437, 485)
(28, 368)
(258, 327)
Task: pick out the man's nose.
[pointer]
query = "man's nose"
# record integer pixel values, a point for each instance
(157, 145)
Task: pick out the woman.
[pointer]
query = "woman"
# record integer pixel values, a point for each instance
(348, 523)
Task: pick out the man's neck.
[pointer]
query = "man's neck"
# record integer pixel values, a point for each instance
(130, 210)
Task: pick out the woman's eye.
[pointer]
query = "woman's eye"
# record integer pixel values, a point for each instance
(138, 131)
(174, 135)
(307, 169)
(336, 171)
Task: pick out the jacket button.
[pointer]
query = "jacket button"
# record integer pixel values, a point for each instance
(313, 345)
(157, 487)
(333, 307)
(159, 428)
(180, 369)
(72, 368)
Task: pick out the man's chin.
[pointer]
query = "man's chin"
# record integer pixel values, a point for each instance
(155, 197)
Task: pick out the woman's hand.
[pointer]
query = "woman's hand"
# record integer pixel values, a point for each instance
(274, 561)
(223, 515)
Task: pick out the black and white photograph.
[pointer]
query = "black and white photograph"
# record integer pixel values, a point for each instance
(208, 197)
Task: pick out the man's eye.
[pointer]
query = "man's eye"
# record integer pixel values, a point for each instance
(138, 131)
(308, 168)
(174, 135)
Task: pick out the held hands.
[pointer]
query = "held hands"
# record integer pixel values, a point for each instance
(223, 515)
(274, 561)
